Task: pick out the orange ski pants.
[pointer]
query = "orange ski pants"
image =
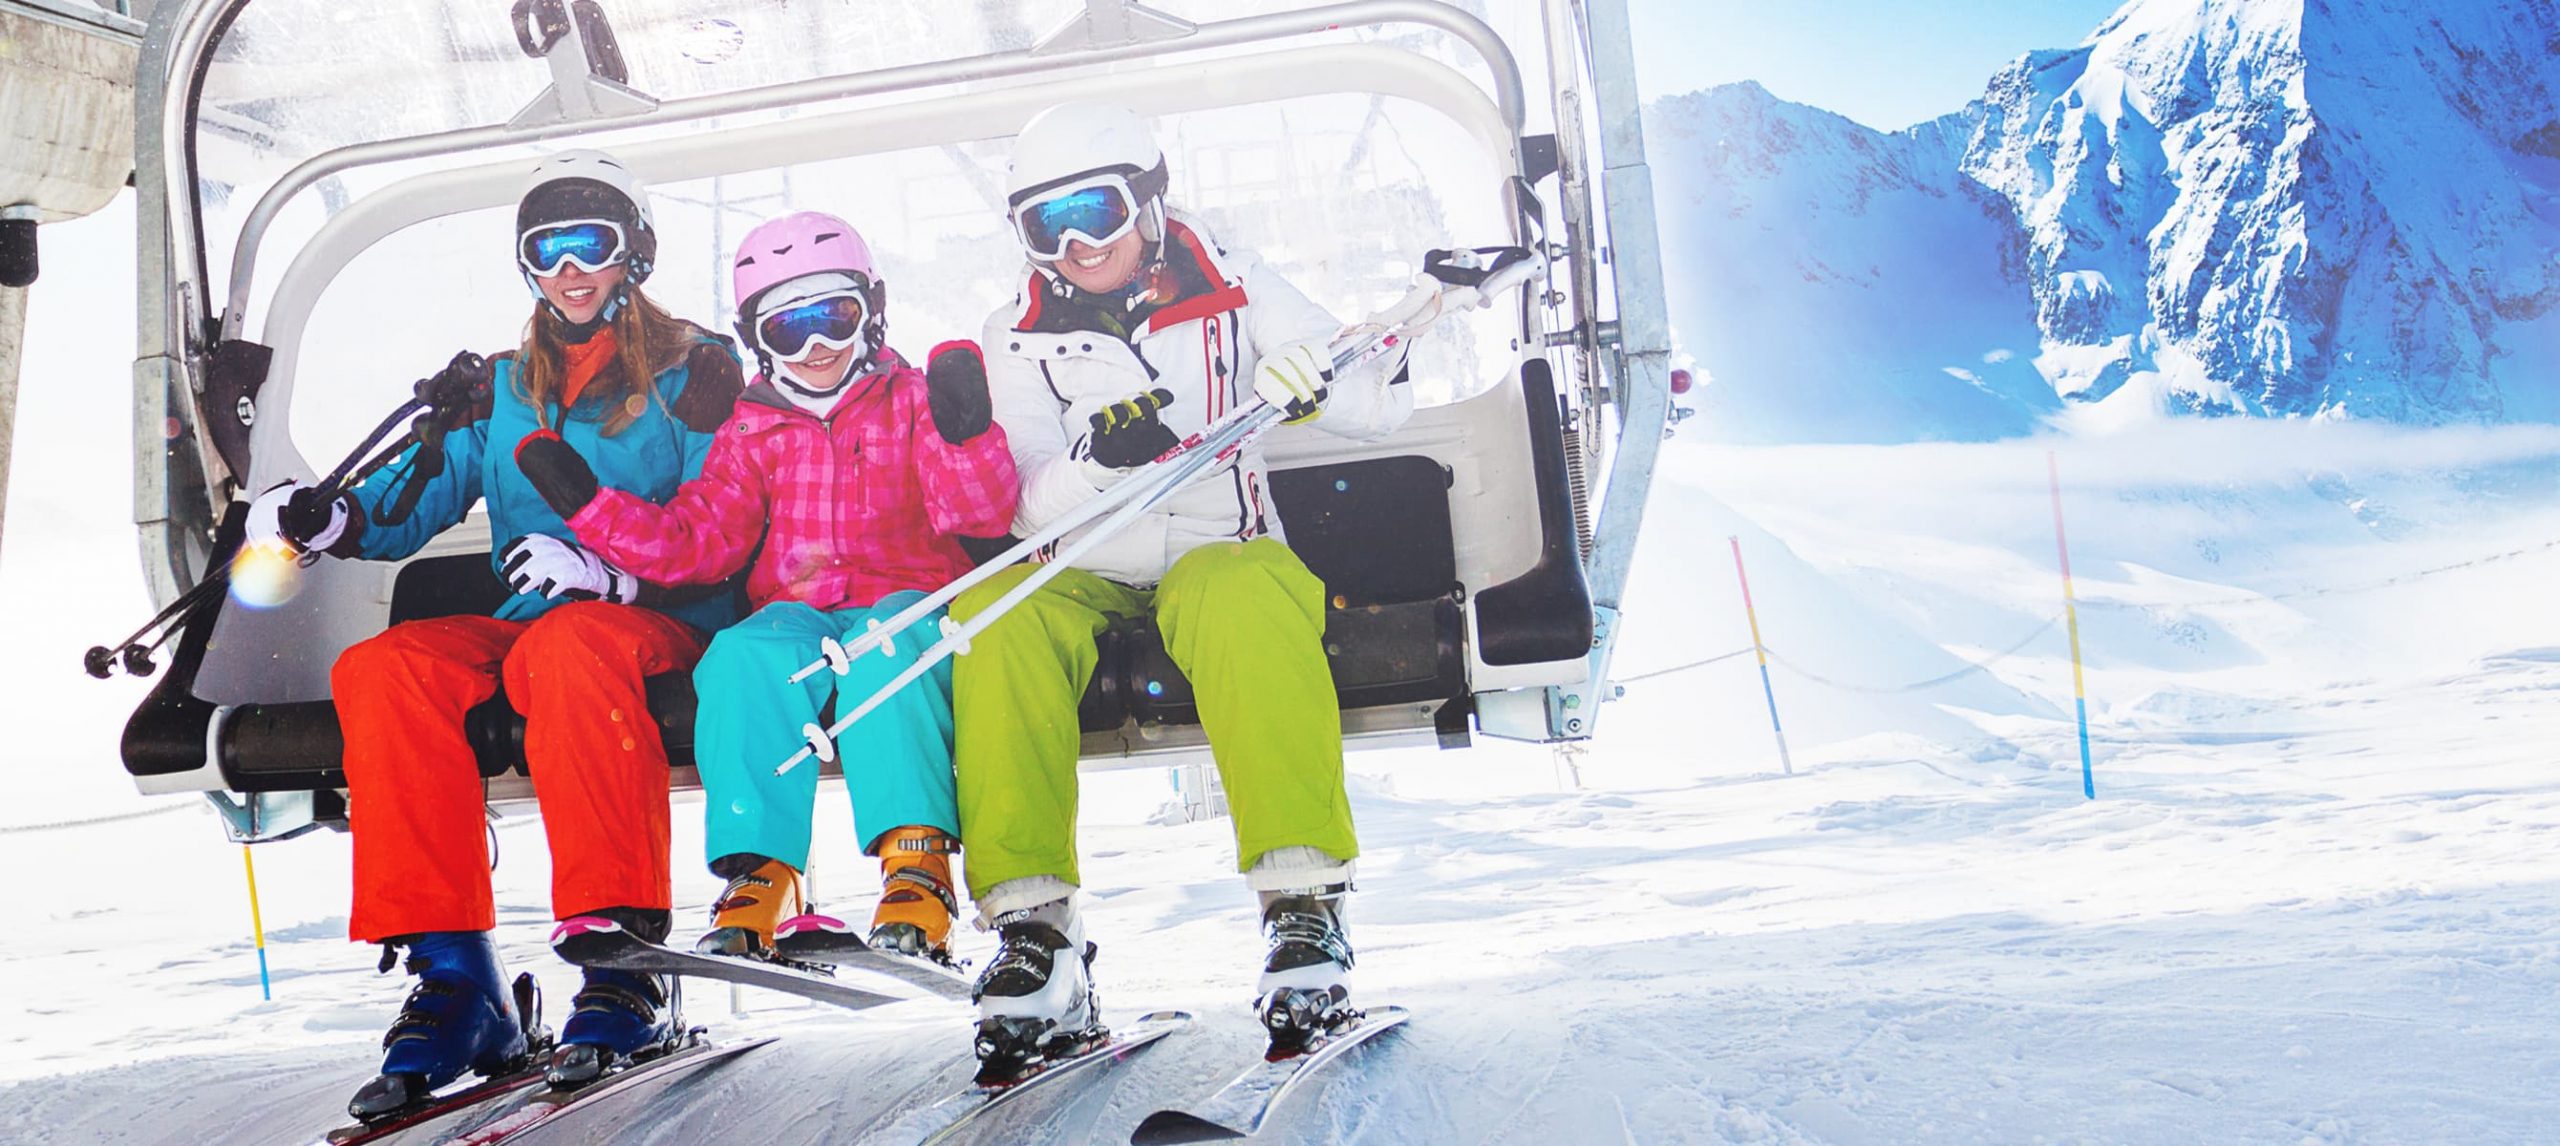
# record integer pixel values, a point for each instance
(414, 798)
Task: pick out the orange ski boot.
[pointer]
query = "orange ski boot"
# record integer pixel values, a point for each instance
(916, 903)
(743, 920)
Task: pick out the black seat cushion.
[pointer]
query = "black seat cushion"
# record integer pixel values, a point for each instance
(1377, 531)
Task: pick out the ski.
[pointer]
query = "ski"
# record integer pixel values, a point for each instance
(591, 942)
(551, 1102)
(487, 1090)
(953, 1116)
(1238, 1109)
(819, 939)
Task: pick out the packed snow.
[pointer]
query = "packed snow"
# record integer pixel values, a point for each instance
(2306, 906)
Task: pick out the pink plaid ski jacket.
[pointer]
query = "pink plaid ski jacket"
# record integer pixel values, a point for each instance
(846, 510)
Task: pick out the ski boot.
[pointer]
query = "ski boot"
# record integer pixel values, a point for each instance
(1305, 992)
(1032, 1004)
(916, 903)
(616, 1016)
(459, 1017)
(763, 894)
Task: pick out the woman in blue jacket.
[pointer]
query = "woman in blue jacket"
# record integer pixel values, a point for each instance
(638, 393)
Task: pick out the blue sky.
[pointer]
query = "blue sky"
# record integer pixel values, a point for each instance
(1884, 63)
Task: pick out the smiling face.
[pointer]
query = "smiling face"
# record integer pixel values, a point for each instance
(823, 371)
(1101, 270)
(578, 294)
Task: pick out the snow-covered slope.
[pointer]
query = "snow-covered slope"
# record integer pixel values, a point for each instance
(2341, 207)
(2311, 903)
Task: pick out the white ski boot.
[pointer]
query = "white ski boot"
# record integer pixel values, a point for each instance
(1305, 991)
(1035, 999)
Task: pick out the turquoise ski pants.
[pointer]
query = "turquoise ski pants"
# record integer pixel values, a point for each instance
(897, 760)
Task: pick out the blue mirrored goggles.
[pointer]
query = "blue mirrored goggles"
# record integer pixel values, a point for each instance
(590, 244)
(1099, 212)
(828, 322)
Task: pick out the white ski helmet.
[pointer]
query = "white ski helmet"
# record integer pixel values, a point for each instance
(1073, 140)
(580, 185)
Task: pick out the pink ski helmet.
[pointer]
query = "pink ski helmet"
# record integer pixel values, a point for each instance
(806, 245)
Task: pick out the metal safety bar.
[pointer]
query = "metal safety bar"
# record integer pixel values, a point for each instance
(1467, 28)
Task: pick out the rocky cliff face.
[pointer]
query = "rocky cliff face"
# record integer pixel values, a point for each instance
(2282, 207)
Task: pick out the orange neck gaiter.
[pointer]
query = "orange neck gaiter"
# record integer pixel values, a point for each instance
(586, 360)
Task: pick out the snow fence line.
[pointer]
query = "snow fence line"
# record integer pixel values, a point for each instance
(2020, 645)
(1970, 667)
(60, 825)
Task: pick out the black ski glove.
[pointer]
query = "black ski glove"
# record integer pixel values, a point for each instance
(955, 387)
(557, 472)
(299, 518)
(457, 395)
(308, 515)
(1127, 434)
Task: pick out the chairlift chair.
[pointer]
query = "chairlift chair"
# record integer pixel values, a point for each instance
(1474, 580)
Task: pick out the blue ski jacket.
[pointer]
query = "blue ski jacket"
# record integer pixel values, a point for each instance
(650, 458)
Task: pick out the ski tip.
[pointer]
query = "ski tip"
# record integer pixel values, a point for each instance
(1170, 1127)
(1165, 1017)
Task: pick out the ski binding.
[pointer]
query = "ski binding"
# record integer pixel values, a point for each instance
(589, 941)
(832, 942)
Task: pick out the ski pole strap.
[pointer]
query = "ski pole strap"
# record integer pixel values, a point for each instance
(425, 465)
(1471, 266)
(346, 471)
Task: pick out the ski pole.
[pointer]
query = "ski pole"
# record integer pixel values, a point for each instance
(956, 636)
(135, 651)
(841, 654)
(1454, 280)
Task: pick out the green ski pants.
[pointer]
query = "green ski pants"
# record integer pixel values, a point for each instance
(1243, 620)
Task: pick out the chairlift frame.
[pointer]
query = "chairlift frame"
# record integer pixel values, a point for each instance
(201, 373)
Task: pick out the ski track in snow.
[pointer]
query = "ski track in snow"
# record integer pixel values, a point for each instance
(2313, 903)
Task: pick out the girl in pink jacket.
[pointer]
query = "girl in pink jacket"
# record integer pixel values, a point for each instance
(844, 475)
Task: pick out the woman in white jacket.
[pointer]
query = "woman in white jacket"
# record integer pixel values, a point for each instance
(1134, 330)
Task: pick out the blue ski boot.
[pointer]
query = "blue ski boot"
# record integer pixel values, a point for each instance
(459, 1017)
(617, 1015)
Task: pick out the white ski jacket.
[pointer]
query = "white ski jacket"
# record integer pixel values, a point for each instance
(1052, 362)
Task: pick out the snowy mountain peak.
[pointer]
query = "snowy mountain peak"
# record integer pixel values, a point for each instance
(2322, 207)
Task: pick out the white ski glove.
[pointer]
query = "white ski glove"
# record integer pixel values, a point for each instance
(1294, 378)
(541, 563)
(291, 516)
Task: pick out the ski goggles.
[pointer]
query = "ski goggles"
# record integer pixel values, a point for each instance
(589, 244)
(1098, 210)
(830, 321)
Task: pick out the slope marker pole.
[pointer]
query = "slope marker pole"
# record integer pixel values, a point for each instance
(1753, 615)
(2071, 615)
(257, 925)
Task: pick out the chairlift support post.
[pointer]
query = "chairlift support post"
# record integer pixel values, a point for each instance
(64, 95)
(1628, 355)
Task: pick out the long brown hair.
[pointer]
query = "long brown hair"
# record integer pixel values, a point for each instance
(648, 340)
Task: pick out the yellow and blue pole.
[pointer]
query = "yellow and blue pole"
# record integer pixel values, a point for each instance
(1771, 694)
(2071, 615)
(257, 925)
